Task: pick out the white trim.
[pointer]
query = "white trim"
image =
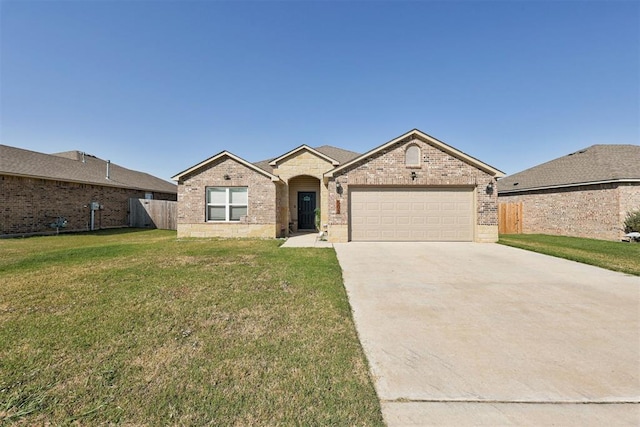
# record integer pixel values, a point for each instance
(232, 156)
(334, 162)
(227, 203)
(579, 184)
(429, 139)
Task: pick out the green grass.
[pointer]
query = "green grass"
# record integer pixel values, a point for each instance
(617, 256)
(138, 327)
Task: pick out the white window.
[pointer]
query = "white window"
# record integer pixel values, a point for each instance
(412, 156)
(148, 196)
(226, 203)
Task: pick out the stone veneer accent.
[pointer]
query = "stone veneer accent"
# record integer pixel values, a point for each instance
(303, 163)
(30, 205)
(436, 169)
(592, 211)
(263, 212)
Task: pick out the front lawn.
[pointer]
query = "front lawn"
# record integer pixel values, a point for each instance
(617, 256)
(139, 328)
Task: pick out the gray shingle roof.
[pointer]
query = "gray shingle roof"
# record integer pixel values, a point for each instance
(342, 156)
(598, 163)
(69, 166)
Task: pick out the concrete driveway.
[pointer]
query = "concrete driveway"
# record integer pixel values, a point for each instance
(483, 334)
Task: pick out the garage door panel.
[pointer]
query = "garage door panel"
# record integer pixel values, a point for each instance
(449, 221)
(387, 220)
(371, 220)
(403, 220)
(387, 235)
(401, 214)
(418, 220)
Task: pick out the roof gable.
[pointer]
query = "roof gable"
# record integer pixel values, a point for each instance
(79, 167)
(599, 163)
(428, 139)
(338, 154)
(304, 147)
(230, 155)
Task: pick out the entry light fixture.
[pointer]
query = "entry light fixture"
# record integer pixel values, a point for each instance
(338, 187)
(490, 187)
(413, 175)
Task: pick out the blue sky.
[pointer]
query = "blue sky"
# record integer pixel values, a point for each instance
(159, 86)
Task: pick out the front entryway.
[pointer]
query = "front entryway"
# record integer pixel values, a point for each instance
(306, 210)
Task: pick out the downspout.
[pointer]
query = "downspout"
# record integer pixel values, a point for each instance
(108, 166)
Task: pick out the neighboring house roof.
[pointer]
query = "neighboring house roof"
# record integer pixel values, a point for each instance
(76, 166)
(334, 154)
(230, 155)
(429, 139)
(596, 164)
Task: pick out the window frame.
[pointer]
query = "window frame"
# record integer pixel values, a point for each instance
(227, 205)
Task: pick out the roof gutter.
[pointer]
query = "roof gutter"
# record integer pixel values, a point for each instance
(579, 184)
(111, 182)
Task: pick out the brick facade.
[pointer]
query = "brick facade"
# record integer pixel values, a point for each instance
(263, 211)
(272, 195)
(629, 198)
(29, 205)
(592, 211)
(436, 169)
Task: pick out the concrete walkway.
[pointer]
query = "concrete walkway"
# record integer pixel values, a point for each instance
(461, 334)
(305, 240)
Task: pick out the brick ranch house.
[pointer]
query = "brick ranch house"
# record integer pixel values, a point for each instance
(36, 189)
(412, 188)
(585, 194)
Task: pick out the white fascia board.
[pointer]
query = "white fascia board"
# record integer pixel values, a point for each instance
(232, 156)
(334, 162)
(447, 148)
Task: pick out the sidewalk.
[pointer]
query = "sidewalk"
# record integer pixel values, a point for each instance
(305, 240)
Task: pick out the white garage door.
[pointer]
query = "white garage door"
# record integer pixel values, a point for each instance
(411, 214)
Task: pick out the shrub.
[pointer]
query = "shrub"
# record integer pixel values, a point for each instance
(632, 222)
(316, 211)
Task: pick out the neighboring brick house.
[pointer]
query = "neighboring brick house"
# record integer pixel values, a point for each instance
(586, 194)
(36, 189)
(412, 188)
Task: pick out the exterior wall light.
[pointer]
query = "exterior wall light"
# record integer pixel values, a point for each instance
(338, 188)
(413, 175)
(490, 188)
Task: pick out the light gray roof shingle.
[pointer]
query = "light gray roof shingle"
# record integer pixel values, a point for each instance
(342, 156)
(598, 163)
(69, 166)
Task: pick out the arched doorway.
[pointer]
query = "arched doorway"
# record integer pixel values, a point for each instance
(304, 199)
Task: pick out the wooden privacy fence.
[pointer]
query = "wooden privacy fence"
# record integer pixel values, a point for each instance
(146, 213)
(510, 218)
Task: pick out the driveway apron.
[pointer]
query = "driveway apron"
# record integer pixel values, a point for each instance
(484, 334)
